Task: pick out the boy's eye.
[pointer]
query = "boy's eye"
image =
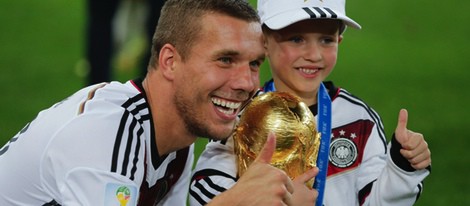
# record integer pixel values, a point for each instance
(296, 39)
(328, 40)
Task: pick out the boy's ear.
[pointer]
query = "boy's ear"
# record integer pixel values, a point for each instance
(340, 38)
(265, 45)
(167, 63)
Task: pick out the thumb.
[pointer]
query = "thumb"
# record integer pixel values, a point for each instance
(266, 154)
(401, 132)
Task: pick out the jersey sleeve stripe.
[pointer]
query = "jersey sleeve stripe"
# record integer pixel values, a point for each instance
(211, 172)
(127, 152)
(117, 144)
(214, 186)
(136, 154)
(204, 188)
(197, 197)
(364, 192)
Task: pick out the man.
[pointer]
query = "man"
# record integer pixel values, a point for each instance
(132, 143)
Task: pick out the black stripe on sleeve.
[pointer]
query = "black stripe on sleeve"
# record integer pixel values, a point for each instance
(136, 154)
(211, 172)
(364, 192)
(127, 152)
(51, 203)
(205, 176)
(197, 197)
(117, 144)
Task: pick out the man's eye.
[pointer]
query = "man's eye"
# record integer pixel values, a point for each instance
(225, 60)
(255, 64)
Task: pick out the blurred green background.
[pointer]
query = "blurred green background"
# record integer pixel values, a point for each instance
(409, 54)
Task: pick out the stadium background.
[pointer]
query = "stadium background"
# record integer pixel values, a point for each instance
(409, 54)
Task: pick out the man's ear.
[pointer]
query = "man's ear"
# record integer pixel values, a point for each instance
(167, 60)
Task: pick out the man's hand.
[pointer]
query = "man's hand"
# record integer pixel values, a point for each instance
(261, 184)
(414, 147)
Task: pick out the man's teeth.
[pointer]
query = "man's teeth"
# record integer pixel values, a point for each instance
(308, 71)
(231, 105)
(225, 111)
(226, 107)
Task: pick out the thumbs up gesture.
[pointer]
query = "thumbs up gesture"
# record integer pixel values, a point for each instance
(261, 184)
(414, 148)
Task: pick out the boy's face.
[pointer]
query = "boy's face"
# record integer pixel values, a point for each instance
(302, 55)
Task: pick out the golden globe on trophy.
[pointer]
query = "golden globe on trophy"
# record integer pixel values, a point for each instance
(297, 138)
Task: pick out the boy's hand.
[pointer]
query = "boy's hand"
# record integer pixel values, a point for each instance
(303, 194)
(414, 148)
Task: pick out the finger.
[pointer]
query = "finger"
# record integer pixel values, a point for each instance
(415, 146)
(421, 158)
(401, 132)
(308, 175)
(267, 152)
(422, 165)
(287, 199)
(289, 185)
(415, 141)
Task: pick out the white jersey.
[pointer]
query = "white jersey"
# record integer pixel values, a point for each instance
(96, 147)
(363, 169)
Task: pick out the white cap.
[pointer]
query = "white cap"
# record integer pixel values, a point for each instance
(277, 14)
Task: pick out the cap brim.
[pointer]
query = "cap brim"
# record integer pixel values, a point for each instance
(285, 19)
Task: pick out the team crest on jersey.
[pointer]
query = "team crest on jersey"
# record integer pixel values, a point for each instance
(347, 145)
(343, 152)
(122, 195)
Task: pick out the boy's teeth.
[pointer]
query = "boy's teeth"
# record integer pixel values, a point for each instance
(308, 71)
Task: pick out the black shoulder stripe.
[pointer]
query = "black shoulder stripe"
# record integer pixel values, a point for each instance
(375, 117)
(130, 125)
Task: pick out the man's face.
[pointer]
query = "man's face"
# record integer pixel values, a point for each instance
(219, 76)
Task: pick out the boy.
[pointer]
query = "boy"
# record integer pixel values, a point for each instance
(301, 42)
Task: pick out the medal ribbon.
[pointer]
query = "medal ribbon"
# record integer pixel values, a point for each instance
(324, 126)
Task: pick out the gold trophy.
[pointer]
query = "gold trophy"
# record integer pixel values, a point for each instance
(297, 138)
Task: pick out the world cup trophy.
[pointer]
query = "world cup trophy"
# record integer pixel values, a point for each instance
(297, 138)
